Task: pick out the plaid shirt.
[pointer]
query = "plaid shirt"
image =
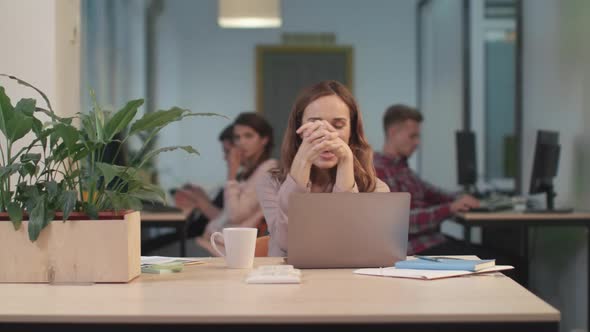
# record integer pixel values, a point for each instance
(429, 205)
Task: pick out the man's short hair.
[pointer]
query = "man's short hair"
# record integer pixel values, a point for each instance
(227, 134)
(399, 113)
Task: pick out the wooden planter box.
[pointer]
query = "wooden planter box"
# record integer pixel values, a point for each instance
(106, 250)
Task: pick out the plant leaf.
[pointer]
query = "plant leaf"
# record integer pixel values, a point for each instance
(34, 157)
(88, 127)
(49, 216)
(153, 153)
(37, 127)
(99, 125)
(108, 171)
(76, 152)
(203, 114)
(123, 201)
(49, 112)
(147, 196)
(75, 174)
(15, 212)
(79, 155)
(18, 126)
(34, 88)
(157, 119)
(26, 106)
(91, 210)
(68, 199)
(59, 153)
(37, 220)
(149, 192)
(122, 118)
(52, 189)
(114, 200)
(32, 195)
(28, 169)
(133, 203)
(6, 110)
(67, 133)
(41, 133)
(155, 189)
(9, 170)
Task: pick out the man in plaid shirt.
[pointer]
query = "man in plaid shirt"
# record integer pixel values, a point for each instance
(430, 206)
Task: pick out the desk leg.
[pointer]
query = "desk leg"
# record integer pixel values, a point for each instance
(525, 255)
(182, 238)
(588, 283)
(467, 235)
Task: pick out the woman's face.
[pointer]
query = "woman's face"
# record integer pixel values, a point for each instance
(334, 111)
(248, 142)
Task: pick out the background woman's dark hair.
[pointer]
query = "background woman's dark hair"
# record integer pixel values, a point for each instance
(364, 171)
(264, 129)
(227, 134)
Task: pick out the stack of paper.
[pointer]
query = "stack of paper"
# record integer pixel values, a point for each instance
(148, 260)
(161, 264)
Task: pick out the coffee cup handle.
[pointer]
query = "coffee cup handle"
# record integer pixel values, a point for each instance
(214, 245)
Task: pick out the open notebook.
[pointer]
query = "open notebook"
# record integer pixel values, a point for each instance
(425, 274)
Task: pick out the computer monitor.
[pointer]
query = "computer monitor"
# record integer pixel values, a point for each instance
(466, 160)
(115, 154)
(545, 165)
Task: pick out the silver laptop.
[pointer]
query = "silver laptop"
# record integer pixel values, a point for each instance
(347, 230)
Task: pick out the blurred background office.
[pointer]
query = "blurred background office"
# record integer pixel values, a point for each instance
(501, 69)
(193, 62)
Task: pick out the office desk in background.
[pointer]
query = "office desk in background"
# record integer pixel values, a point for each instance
(177, 220)
(525, 220)
(211, 296)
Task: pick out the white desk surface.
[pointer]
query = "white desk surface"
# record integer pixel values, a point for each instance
(210, 293)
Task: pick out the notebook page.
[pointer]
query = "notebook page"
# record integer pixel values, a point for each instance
(425, 274)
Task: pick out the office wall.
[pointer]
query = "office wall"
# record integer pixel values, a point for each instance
(20, 54)
(441, 84)
(114, 52)
(556, 92)
(40, 44)
(44, 53)
(205, 68)
(477, 79)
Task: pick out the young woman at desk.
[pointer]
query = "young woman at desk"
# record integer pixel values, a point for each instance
(248, 160)
(324, 150)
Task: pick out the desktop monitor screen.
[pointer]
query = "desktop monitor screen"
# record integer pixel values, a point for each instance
(466, 158)
(115, 152)
(545, 161)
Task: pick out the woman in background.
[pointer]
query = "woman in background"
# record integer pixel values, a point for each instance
(194, 200)
(248, 160)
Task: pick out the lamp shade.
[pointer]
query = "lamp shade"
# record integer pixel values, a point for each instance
(249, 14)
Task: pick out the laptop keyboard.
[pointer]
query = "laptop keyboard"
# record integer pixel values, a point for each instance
(493, 204)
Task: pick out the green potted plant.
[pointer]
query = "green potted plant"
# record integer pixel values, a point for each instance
(60, 175)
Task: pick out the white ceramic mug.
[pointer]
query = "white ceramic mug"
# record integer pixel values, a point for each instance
(239, 246)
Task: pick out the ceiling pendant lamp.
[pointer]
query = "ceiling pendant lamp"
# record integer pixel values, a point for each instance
(249, 14)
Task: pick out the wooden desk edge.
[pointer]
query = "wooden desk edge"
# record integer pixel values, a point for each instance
(163, 217)
(552, 317)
